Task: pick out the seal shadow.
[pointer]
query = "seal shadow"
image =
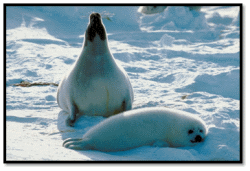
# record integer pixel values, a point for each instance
(65, 131)
(82, 125)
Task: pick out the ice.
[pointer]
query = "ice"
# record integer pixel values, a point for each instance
(178, 58)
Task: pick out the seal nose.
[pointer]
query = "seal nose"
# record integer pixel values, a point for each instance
(198, 138)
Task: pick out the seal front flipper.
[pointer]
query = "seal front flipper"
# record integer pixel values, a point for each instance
(70, 121)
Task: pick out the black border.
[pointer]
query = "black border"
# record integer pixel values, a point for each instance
(124, 4)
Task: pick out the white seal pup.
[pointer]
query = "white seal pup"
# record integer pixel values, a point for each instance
(158, 9)
(151, 9)
(140, 127)
(95, 85)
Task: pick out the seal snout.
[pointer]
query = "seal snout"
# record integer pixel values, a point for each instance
(95, 27)
(197, 139)
(95, 17)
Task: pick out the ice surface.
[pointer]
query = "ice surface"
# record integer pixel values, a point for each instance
(182, 59)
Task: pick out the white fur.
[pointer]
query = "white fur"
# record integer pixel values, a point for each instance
(158, 9)
(151, 9)
(140, 127)
(95, 85)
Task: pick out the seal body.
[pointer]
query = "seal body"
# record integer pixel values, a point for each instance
(96, 85)
(140, 127)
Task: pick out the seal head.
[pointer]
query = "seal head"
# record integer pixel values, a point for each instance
(95, 27)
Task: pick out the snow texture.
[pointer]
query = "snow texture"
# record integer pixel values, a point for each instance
(179, 58)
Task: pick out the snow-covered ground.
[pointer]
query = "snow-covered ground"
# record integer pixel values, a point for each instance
(179, 58)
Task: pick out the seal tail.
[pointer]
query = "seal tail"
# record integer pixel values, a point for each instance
(77, 144)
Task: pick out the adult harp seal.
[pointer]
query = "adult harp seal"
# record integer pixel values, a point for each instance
(96, 85)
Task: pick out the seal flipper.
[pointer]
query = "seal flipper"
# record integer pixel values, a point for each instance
(71, 139)
(72, 116)
(126, 104)
(77, 144)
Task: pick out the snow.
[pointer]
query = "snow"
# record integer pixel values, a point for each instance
(178, 58)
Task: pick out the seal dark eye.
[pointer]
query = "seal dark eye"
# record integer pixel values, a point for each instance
(190, 131)
(201, 131)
